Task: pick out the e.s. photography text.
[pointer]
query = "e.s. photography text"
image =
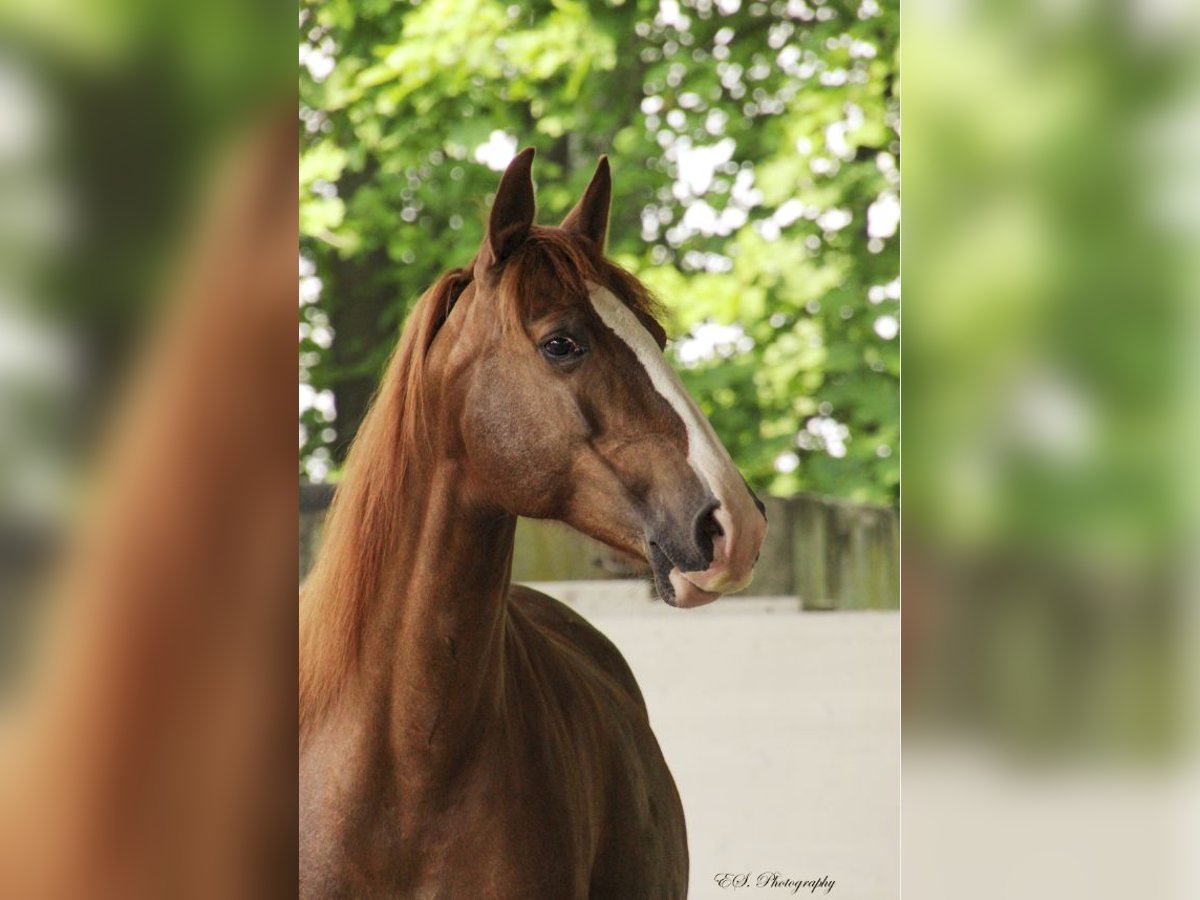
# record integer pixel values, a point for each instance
(777, 880)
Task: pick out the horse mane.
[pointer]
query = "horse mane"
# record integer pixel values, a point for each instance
(360, 527)
(553, 262)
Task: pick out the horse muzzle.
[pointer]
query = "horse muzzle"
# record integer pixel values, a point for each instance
(718, 558)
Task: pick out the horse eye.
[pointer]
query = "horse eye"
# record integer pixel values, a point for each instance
(561, 347)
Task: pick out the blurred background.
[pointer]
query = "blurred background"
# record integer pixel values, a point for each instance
(1050, 636)
(755, 153)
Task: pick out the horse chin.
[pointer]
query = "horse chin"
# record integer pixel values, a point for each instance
(673, 586)
(687, 594)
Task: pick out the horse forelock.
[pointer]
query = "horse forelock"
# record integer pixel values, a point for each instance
(554, 267)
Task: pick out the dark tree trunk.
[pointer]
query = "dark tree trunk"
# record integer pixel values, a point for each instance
(361, 294)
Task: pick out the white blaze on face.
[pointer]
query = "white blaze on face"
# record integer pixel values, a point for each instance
(735, 553)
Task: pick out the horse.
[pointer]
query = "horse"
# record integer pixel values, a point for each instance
(462, 736)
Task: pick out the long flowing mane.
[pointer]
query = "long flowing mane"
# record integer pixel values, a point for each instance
(360, 527)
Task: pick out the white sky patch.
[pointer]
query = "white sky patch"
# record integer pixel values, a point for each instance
(317, 327)
(322, 336)
(798, 9)
(326, 189)
(824, 433)
(310, 289)
(669, 15)
(318, 58)
(1052, 415)
(697, 171)
(702, 218)
(650, 224)
(835, 141)
(321, 401)
(789, 212)
(834, 219)
(744, 193)
(698, 165)
(317, 469)
(25, 125)
(694, 261)
(877, 293)
(498, 151)
(862, 50)
(34, 196)
(887, 327)
(787, 462)
(822, 166)
(710, 340)
(883, 216)
(714, 122)
(836, 134)
(32, 352)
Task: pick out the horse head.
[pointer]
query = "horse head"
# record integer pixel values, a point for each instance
(549, 382)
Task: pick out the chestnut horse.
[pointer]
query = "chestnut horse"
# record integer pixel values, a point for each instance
(462, 736)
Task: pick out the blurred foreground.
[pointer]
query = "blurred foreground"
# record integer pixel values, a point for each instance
(1050, 414)
(147, 291)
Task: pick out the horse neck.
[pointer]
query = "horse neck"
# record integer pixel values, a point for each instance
(430, 639)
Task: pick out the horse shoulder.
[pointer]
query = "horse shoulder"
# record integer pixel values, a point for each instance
(641, 849)
(555, 617)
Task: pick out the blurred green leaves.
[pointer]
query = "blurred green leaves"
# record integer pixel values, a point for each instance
(755, 155)
(1049, 392)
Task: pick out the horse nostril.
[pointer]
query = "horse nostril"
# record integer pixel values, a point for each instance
(707, 529)
(713, 526)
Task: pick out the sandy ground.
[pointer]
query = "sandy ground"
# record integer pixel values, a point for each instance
(782, 729)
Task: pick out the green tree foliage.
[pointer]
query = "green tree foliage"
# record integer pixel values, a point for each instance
(755, 156)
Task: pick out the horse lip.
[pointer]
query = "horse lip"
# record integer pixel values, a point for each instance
(663, 567)
(660, 570)
(690, 594)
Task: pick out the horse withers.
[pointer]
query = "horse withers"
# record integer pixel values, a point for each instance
(462, 736)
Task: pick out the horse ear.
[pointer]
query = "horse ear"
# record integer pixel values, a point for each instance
(590, 215)
(512, 212)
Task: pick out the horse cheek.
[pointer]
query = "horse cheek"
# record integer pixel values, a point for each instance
(517, 455)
